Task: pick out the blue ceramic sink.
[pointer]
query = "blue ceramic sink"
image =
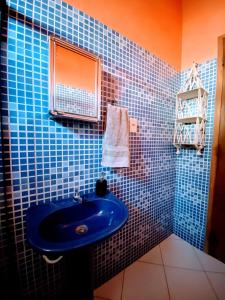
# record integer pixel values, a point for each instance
(64, 225)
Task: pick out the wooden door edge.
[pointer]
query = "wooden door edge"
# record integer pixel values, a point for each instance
(218, 101)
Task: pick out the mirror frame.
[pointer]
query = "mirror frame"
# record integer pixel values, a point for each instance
(53, 43)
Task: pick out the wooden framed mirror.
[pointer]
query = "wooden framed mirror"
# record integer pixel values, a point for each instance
(75, 82)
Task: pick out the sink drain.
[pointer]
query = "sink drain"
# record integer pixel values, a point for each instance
(81, 229)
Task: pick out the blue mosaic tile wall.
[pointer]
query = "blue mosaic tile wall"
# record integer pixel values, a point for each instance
(49, 159)
(3, 238)
(193, 172)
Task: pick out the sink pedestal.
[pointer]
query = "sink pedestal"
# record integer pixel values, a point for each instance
(79, 275)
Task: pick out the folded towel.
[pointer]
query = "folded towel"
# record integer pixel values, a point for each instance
(116, 152)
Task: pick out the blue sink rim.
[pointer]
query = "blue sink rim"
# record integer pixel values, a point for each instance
(36, 214)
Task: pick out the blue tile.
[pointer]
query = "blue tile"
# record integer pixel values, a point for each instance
(57, 157)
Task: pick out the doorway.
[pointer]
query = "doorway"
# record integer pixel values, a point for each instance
(215, 245)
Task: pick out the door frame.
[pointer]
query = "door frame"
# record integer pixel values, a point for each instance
(214, 157)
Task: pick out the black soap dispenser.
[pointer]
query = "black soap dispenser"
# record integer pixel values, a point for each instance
(101, 186)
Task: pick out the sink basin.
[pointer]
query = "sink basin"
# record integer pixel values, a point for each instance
(64, 225)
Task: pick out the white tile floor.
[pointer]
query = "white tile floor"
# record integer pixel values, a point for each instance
(173, 270)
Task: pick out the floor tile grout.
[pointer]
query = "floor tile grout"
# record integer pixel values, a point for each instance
(183, 268)
(164, 270)
(215, 272)
(121, 296)
(214, 291)
(148, 262)
(176, 267)
(220, 272)
(208, 281)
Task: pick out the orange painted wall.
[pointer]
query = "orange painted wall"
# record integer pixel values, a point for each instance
(153, 24)
(203, 22)
(74, 69)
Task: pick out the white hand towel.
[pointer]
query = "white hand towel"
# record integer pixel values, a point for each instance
(116, 153)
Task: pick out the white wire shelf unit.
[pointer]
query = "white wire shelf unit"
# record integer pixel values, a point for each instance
(191, 106)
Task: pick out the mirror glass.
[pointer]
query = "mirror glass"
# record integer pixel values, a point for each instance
(75, 82)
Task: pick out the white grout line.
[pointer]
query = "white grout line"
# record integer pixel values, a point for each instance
(164, 270)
